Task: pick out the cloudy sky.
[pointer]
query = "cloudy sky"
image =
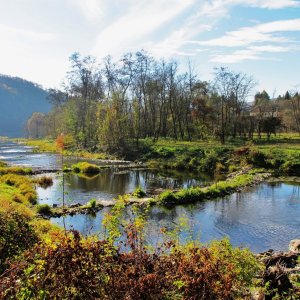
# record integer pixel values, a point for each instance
(258, 37)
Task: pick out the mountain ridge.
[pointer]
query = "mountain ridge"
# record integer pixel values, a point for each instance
(19, 98)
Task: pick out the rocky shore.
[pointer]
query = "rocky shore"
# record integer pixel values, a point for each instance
(280, 278)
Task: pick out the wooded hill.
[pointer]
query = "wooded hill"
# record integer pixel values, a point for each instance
(19, 98)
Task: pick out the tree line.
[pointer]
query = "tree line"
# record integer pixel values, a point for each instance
(116, 103)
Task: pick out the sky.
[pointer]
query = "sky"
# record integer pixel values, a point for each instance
(257, 37)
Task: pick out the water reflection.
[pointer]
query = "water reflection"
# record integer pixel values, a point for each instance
(109, 184)
(264, 217)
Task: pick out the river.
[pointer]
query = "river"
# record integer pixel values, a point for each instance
(261, 217)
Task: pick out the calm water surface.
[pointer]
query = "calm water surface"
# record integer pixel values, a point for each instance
(266, 216)
(262, 217)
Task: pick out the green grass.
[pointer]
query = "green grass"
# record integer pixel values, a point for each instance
(15, 170)
(49, 145)
(190, 195)
(24, 189)
(139, 192)
(44, 209)
(92, 203)
(86, 168)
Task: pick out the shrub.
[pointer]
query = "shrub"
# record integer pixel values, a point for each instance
(23, 186)
(85, 167)
(208, 163)
(92, 203)
(139, 192)
(15, 170)
(44, 181)
(16, 235)
(291, 168)
(164, 152)
(3, 164)
(167, 197)
(96, 270)
(258, 159)
(44, 209)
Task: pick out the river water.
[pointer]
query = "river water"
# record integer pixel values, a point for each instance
(261, 217)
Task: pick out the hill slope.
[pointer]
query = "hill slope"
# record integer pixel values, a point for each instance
(19, 98)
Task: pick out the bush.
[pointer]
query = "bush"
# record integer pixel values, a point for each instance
(44, 181)
(16, 235)
(23, 186)
(44, 209)
(191, 195)
(167, 197)
(92, 203)
(258, 159)
(15, 170)
(209, 162)
(139, 192)
(291, 168)
(164, 152)
(86, 168)
(96, 270)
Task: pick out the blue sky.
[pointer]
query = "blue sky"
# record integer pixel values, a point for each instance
(258, 37)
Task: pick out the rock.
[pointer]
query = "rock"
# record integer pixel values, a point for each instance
(294, 246)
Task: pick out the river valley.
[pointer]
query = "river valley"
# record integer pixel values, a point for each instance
(260, 217)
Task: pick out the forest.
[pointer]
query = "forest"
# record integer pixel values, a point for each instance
(112, 105)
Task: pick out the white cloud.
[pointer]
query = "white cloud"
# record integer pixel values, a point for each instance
(208, 13)
(274, 4)
(250, 53)
(93, 10)
(177, 40)
(256, 34)
(7, 32)
(271, 48)
(140, 21)
(236, 57)
(220, 8)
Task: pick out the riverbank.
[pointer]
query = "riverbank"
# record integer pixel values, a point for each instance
(280, 278)
(281, 154)
(219, 257)
(234, 183)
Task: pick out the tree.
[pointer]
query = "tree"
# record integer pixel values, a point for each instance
(36, 125)
(57, 97)
(295, 103)
(86, 87)
(261, 98)
(233, 88)
(287, 96)
(270, 125)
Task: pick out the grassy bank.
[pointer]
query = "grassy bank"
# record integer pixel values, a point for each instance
(49, 145)
(219, 189)
(20, 229)
(280, 153)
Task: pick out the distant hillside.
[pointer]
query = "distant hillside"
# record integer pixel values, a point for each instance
(19, 98)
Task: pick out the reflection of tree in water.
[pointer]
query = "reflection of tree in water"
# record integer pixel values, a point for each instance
(116, 181)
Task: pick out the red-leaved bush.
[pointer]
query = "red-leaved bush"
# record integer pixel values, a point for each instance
(80, 269)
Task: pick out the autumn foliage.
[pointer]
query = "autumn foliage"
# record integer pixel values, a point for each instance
(76, 268)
